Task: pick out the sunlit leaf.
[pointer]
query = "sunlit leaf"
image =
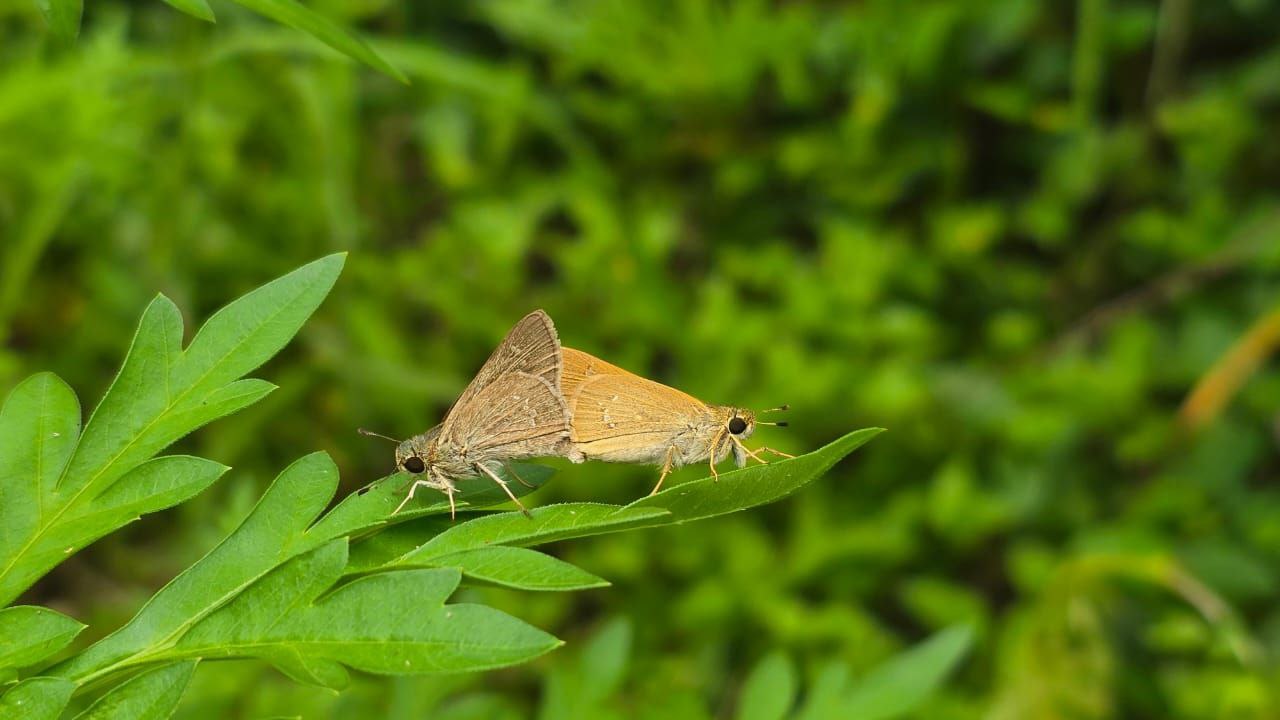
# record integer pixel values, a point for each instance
(61, 489)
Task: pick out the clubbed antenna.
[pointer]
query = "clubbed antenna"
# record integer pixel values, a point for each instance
(781, 423)
(371, 433)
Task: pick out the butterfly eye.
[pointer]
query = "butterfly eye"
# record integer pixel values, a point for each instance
(737, 425)
(414, 464)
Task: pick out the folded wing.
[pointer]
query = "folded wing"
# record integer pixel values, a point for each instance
(519, 415)
(531, 347)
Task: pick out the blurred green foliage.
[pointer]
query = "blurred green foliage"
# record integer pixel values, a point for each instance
(1017, 234)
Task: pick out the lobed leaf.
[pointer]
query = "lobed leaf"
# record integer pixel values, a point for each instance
(29, 634)
(389, 623)
(58, 493)
(152, 695)
(281, 527)
(274, 531)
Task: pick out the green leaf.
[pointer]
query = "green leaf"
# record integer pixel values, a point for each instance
(195, 8)
(63, 17)
(37, 698)
(421, 542)
(39, 424)
(275, 531)
(57, 494)
(827, 692)
(754, 485)
(605, 658)
(549, 522)
(769, 690)
(29, 634)
(154, 485)
(297, 16)
(389, 623)
(578, 689)
(153, 695)
(520, 568)
(372, 508)
(281, 527)
(901, 684)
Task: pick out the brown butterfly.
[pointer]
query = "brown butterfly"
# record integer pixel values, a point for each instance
(512, 410)
(618, 416)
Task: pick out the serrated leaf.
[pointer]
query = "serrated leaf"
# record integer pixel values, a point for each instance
(63, 17)
(769, 691)
(29, 634)
(520, 568)
(152, 695)
(198, 9)
(901, 684)
(37, 698)
(299, 17)
(389, 623)
(48, 502)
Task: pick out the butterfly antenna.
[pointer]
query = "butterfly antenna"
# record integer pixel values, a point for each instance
(780, 423)
(370, 433)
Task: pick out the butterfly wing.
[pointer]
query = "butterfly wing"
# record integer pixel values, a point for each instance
(531, 347)
(579, 366)
(622, 417)
(519, 415)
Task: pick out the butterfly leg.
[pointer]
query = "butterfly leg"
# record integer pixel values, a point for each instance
(448, 488)
(715, 450)
(516, 475)
(503, 484)
(413, 489)
(666, 470)
(775, 452)
(748, 450)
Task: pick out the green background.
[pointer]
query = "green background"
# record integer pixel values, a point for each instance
(1018, 235)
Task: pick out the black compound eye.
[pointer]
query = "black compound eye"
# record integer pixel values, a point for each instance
(737, 425)
(414, 464)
